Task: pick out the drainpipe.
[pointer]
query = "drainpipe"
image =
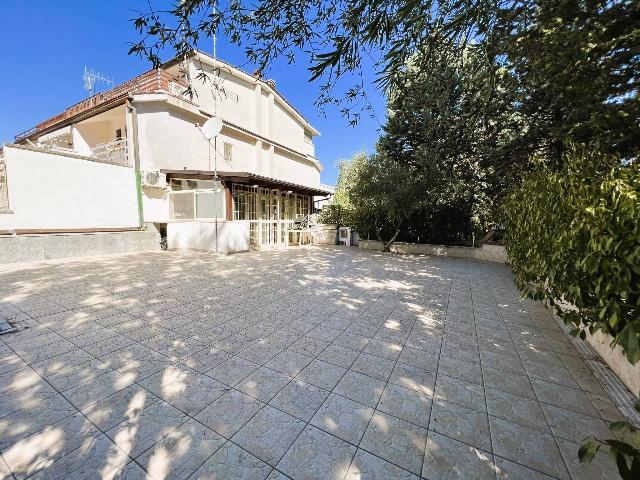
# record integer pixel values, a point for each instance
(136, 160)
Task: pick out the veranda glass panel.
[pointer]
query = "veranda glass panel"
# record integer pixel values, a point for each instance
(209, 205)
(181, 205)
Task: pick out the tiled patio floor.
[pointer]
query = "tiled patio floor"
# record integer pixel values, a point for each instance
(313, 363)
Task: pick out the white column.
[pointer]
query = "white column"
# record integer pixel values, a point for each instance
(257, 97)
(270, 126)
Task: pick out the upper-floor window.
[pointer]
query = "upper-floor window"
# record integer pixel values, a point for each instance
(228, 151)
(195, 199)
(4, 187)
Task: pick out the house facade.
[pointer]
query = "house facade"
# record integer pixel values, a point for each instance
(253, 185)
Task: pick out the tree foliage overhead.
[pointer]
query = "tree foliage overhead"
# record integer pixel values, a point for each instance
(567, 68)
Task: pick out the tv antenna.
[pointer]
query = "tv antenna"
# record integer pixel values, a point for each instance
(90, 78)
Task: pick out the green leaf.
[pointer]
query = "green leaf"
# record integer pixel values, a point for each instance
(587, 452)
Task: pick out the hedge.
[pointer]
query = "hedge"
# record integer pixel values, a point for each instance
(573, 238)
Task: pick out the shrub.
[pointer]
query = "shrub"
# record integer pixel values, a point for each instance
(573, 237)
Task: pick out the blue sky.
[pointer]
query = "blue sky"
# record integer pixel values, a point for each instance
(45, 46)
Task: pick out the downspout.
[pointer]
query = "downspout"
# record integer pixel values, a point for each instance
(136, 161)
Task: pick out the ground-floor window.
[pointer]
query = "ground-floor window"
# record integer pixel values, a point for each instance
(195, 199)
(4, 187)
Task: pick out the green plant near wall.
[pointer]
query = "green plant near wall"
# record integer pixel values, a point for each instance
(625, 452)
(573, 238)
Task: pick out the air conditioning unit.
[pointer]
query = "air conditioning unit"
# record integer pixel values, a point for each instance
(153, 178)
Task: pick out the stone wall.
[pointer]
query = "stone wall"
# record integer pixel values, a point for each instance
(32, 248)
(325, 235)
(371, 245)
(629, 374)
(489, 253)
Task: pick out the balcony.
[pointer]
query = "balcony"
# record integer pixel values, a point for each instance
(112, 152)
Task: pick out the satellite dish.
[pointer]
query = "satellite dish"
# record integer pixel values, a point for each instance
(212, 127)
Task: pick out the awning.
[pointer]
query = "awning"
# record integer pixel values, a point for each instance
(251, 179)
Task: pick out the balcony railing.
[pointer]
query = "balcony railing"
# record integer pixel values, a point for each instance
(149, 82)
(112, 152)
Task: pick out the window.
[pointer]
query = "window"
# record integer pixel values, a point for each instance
(195, 199)
(256, 203)
(118, 133)
(4, 187)
(227, 151)
(244, 202)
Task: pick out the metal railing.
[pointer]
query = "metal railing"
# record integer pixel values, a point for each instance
(112, 152)
(149, 82)
(279, 233)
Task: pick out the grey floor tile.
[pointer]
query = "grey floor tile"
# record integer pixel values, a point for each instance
(317, 455)
(40, 450)
(123, 405)
(322, 374)
(461, 423)
(308, 346)
(269, 434)
(376, 367)
(406, 404)
(507, 363)
(588, 382)
(337, 355)
(458, 391)
(508, 470)
(300, 399)
(602, 467)
(147, 428)
(97, 389)
(573, 426)
(229, 413)
(419, 359)
(260, 354)
(467, 371)
(396, 441)
(22, 423)
(555, 374)
(185, 389)
(370, 467)
(380, 348)
(263, 384)
(568, 398)
(343, 418)
(352, 341)
(508, 382)
(421, 315)
(98, 457)
(178, 455)
(605, 407)
(414, 378)
(233, 463)
(289, 362)
(533, 449)
(361, 388)
(448, 459)
(233, 371)
(516, 409)
(73, 375)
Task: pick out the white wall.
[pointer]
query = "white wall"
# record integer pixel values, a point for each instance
(169, 140)
(232, 236)
(155, 204)
(49, 191)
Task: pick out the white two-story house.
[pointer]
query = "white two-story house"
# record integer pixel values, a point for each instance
(251, 186)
